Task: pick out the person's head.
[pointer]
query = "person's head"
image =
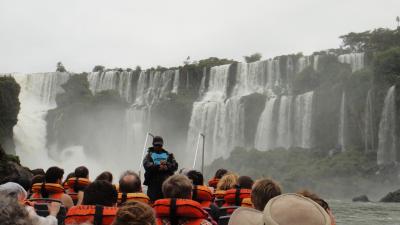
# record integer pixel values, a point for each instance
(264, 190)
(245, 182)
(315, 198)
(228, 181)
(54, 175)
(220, 173)
(107, 176)
(294, 209)
(15, 190)
(82, 172)
(196, 177)
(130, 182)
(37, 179)
(135, 213)
(177, 186)
(158, 143)
(100, 193)
(38, 171)
(70, 175)
(12, 212)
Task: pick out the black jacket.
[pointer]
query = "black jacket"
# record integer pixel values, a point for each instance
(153, 174)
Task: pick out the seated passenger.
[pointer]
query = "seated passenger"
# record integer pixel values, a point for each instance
(12, 212)
(235, 196)
(294, 209)
(135, 213)
(177, 208)
(107, 176)
(320, 201)
(130, 188)
(51, 187)
(99, 201)
(227, 182)
(218, 175)
(264, 190)
(65, 183)
(78, 183)
(201, 193)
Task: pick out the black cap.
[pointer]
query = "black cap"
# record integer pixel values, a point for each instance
(157, 140)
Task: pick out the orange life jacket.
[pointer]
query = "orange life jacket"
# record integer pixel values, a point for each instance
(246, 202)
(219, 194)
(76, 184)
(55, 191)
(202, 195)
(234, 197)
(91, 213)
(213, 182)
(139, 197)
(174, 210)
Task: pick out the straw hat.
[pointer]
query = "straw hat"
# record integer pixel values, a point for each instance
(294, 209)
(246, 216)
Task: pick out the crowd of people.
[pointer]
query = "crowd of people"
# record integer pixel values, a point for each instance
(172, 198)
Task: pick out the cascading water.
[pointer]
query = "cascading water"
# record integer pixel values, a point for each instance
(342, 124)
(37, 96)
(387, 147)
(265, 130)
(369, 134)
(356, 60)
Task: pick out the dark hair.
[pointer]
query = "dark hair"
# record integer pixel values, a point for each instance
(37, 179)
(177, 186)
(135, 213)
(38, 171)
(315, 198)
(12, 212)
(107, 176)
(220, 173)
(196, 177)
(130, 182)
(158, 140)
(70, 175)
(53, 174)
(262, 191)
(245, 182)
(81, 172)
(100, 192)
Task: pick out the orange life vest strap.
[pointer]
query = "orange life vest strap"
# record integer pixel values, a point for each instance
(185, 208)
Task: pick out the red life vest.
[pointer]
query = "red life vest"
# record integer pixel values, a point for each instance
(202, 195)
(213, 182)
(174, 210)
(234, 197)
(91, 213)
(139, 197)
(55, 191)
(219, 194)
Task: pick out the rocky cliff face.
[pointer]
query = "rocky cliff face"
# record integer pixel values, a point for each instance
(9, 108)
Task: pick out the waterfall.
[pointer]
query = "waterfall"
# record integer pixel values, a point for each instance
(37, 96)
(342, 123)
(112, 80)
(302, 120)
(369, 134)
(265, 130)
(284, 122)
(356, 60)
(387, 146)
(302, 63)
(176, 82)
(315, 63)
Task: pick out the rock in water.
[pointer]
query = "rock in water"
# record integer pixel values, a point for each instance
(392, 197)
(362, 198)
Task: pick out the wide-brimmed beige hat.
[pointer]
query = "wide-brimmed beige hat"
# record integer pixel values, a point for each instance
(246, 216)
(294, 209)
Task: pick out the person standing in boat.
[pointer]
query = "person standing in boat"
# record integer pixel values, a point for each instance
(159, 164)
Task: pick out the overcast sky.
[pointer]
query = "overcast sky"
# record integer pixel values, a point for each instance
(36, 34)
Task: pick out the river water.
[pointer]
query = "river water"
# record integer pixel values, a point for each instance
(354, 213)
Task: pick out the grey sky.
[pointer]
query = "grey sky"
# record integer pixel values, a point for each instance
(35, 34)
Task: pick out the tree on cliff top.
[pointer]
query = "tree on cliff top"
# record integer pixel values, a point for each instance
(98, 68)
(253, 58)
(60, 67)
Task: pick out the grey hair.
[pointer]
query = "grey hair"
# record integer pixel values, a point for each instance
(12, 212)
(13, 189)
